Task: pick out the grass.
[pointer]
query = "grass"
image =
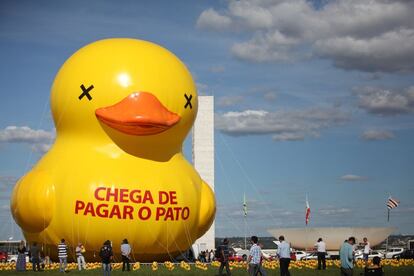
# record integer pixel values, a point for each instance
(211, 271)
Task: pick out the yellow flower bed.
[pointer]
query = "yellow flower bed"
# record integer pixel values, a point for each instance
(271, 264)
(215, 264)
(185, 265)
(169, 265)
(136, 266)
(200, 265)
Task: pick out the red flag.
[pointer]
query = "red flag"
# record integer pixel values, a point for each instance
(307, 212)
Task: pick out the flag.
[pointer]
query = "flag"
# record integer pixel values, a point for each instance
(307, 215)
(244, 205)
(392, 203)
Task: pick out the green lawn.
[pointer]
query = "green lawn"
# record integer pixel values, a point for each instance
(146, 270)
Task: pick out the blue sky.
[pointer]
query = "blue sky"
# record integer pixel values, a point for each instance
(311, 97)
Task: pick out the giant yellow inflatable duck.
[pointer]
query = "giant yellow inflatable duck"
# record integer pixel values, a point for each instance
(122, 109)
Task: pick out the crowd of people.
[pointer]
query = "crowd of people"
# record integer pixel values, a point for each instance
(256, 257)
(222, 254)
(347, 256)
(206, 256)
(40, 261)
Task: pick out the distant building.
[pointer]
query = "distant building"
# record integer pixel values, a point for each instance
(305, 238)
(203, 157)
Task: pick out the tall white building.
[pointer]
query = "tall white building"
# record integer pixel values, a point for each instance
(203, 157)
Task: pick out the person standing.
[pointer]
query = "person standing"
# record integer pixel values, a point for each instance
(211, 255)
(346, 254)
(106, 255)
(125, 252)
(255, 256)
(367, 250)
(80, 249)
(47, 261)
(21, 257)
(224, 257)
(35, 254)
(261, 270)
(63, 255)
(320, 247)
(283, 251)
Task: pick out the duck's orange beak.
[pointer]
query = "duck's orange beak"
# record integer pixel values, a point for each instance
(140, 113)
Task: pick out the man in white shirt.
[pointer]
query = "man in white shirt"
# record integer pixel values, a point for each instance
(367, 250)
(283, 251)
(320, 247)
(125, 252)
(255, 258)
(80, 249)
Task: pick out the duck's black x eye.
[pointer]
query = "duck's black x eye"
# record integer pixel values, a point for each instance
(188, 98)
(85, 92)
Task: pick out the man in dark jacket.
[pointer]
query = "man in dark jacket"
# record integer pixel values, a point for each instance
(106, 255)
(35, 254)
(224, 257)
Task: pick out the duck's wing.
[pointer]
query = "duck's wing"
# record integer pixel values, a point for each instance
(32, 201)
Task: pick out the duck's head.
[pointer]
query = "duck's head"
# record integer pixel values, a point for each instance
(131, 92)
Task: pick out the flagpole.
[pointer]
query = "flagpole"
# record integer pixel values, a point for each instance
(388, 221)
(245, 231)
(391, 204)
(306, 222)
(245, 220)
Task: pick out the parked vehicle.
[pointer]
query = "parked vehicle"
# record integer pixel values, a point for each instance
(406, 254)
(314, 256)
(371, 255)
(3, 256)
(269, 254)
(13, 258)
(393, 252)
(299, 255)
(243, 253)
(311, 256)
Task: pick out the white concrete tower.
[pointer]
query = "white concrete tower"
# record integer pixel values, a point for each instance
(203, 157)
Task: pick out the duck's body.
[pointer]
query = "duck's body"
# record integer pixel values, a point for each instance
(104, 182)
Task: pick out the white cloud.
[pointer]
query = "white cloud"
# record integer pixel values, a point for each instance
(388, 52)
(226, 101)
(386, 102)
(39, 140)
(283, 125)
(41, 148)
(210, 19)
(373, 36)
(289, 137)
(353, 177)
(266, 47)
(252, 15)
(373, 135)
(14, 134)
